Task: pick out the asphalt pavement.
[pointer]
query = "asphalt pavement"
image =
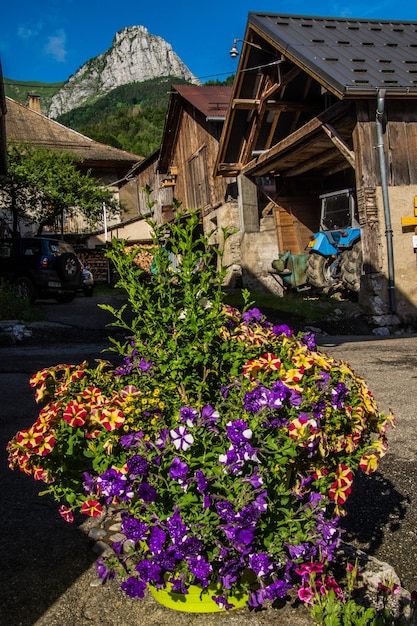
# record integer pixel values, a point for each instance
(48, 577)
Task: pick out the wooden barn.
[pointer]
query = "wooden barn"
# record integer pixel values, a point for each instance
(181, 170)
(326, 104)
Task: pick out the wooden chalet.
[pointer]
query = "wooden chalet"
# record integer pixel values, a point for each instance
(111, 166)
(311, 97)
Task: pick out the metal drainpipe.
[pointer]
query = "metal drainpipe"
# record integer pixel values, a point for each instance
(385, 198)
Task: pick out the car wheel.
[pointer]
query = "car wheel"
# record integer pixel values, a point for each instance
(64, 298)
(25, 289)
(68, 266)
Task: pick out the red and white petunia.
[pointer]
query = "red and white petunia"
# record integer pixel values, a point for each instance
(75, 413)
(30, 438)
(93, 508)
(66, 513)
(111, 418)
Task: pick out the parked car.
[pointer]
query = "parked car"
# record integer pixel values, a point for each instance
(87, 280)
(43, 267)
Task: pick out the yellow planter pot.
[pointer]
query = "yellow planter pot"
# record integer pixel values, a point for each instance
(196, 601)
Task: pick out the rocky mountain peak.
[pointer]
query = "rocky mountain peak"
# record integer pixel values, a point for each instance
(135, 56)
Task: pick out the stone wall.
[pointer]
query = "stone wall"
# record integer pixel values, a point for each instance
(248, 255)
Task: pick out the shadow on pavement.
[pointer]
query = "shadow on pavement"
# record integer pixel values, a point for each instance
(41, 554)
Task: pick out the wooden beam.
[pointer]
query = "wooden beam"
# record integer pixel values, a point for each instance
(310, 164)
(274, 105)
(336, 169)
(340, 144)
(255, 167)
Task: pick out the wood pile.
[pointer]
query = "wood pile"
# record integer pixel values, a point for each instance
(144, 257)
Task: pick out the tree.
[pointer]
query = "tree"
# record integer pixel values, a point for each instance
(42, 184)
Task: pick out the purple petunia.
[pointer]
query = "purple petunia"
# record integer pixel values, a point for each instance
(209, 416)
(339, 393)
(147, 493)
(252, 315)
(202, 483)
(225, 510)
(181, 438)
(241, 538)
(178, 470)
(89, 483)
(131, 440)
(309, 340)
(113, 484)
(282, 329)
(137, 466)
(150, 571)
(238, 431)
(260, 564)
(177, 529)
(103, 571)
(257, 399)
(133, 587)
(157, 538)
(190, 547)
(133, 528)
(188, 415)
(201, 569)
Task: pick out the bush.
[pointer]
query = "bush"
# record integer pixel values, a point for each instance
(12, 306)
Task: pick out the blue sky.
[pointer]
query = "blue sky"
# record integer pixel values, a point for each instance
(49, 40)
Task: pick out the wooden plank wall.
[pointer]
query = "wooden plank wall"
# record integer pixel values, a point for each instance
(296, 219)
(193, 136)
(400, 143)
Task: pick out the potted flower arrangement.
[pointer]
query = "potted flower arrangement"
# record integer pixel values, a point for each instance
(227, 445)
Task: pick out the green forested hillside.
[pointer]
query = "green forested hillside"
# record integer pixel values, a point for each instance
(19, 90)
(130, 117)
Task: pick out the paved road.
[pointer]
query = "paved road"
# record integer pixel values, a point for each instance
(47, 566)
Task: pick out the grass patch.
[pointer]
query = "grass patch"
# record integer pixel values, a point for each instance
(13, 307)
(108, 290)
(308, 308)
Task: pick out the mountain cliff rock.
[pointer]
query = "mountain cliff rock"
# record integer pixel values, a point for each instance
(134, 56)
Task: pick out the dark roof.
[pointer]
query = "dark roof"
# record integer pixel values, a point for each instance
(353, 57)
(211, 100)
(24, 125)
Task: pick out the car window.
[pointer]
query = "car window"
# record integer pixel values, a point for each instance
(31, 247)
(5, 249)
(59, 247)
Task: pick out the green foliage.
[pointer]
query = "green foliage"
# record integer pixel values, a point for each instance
(222, 83)
(41, 184)
(14, 307)
(175, 312)
(333, 612)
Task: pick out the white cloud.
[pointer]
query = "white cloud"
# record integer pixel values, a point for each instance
(27, 32)
(56, 46)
